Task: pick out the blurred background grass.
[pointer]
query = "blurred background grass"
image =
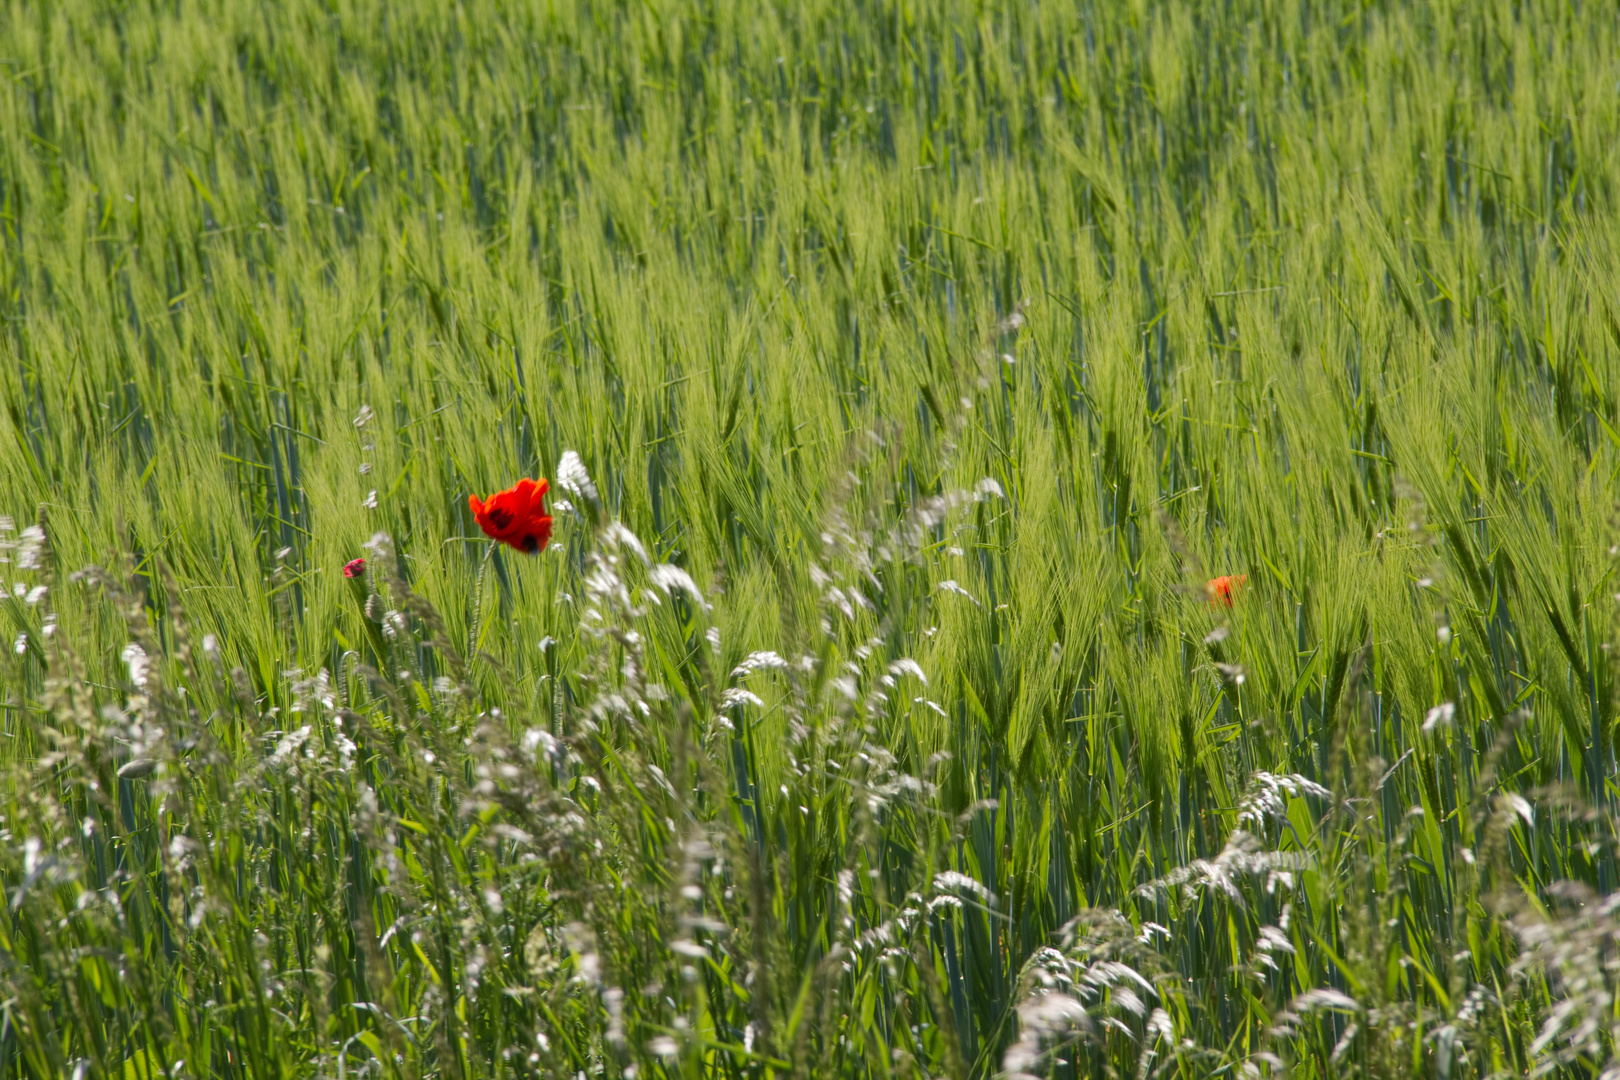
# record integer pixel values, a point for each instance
(1319, 294)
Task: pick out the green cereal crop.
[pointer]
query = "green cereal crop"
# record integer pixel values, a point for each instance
(1085, 539)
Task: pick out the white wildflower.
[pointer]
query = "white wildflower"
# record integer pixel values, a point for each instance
(1517, 804)
(574, 479)
(1439, 716)
(951, 586)
(289, 744)
(764, 658)
(135, 657)
(907, 666)
(32, 544)
(618, 536)
(738, 696)
(670, 578)
(947, 881)
(1265, 799)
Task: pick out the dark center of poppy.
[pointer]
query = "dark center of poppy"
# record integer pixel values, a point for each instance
(500, 518)
(531, 543)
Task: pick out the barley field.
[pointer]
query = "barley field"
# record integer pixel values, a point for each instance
(1085, 539)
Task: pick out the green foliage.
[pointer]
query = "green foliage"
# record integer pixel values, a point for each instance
(869, 713)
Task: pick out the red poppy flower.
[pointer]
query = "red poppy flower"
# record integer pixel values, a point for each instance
(516, 516)
(354, 568)
(1220, 589)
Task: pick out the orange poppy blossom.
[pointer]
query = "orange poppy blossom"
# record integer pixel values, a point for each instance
(516, 517)
(1220, 589)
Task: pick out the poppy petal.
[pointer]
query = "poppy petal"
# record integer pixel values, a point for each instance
(536, 535)
(515, 517)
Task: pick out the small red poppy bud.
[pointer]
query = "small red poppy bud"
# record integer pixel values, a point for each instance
(1220, 589)
(354, 568)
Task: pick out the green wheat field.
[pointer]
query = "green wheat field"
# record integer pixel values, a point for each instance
(903, 373)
